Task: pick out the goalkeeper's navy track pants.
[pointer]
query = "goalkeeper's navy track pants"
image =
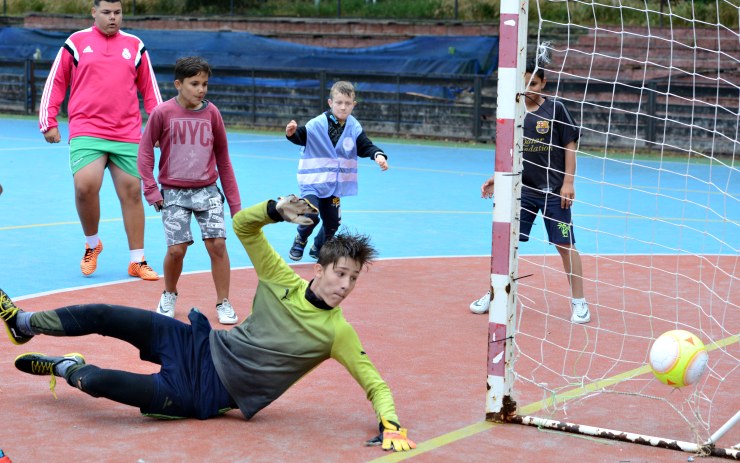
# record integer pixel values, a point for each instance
(187, 384)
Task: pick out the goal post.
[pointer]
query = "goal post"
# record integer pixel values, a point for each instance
(507, 187)
(654, 89)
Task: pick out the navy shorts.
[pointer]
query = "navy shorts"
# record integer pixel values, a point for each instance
(187, 386)
(558, 221)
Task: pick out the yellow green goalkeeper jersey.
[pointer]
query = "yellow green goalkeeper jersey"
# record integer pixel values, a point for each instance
(286, 336)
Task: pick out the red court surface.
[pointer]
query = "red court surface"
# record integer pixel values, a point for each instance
(412, 316)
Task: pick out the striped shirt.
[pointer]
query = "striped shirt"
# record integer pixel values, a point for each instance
(326, 138)
(104, 74)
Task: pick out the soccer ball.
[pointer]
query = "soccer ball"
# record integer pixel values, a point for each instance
(678, 358)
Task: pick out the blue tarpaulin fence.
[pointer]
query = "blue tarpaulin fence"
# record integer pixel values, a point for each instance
(424, 55)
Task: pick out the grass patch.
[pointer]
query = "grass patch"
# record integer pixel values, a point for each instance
(683, 13)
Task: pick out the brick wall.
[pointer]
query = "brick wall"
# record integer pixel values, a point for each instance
(344, 33)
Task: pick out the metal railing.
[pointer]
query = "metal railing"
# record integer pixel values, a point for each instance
(459, 107)
(646, 116)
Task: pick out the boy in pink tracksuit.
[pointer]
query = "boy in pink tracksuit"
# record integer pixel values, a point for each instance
(103, 68)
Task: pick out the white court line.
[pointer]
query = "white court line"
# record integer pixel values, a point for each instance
(359, 211)
(36, 149)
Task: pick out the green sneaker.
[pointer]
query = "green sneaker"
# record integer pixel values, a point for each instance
(8, 313)
(35, 363)
(38, 364)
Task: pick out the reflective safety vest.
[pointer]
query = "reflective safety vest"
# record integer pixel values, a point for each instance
(324, 169)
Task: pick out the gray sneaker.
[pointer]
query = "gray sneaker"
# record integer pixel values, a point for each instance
(296, 251)
(580, 312)
(166, 304)
(226, 314)
(481, 305)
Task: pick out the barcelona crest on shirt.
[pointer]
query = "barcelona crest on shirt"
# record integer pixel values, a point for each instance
(543, 126)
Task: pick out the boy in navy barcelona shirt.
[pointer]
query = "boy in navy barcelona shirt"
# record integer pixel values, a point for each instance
(549, 169)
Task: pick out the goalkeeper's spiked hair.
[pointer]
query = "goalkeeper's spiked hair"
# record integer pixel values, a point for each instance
(355, 246)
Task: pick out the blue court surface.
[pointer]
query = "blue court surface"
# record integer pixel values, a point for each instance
(427, 204)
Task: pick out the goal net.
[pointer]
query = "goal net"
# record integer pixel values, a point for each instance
(654, 89)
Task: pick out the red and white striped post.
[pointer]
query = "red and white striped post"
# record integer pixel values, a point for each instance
(506, 193)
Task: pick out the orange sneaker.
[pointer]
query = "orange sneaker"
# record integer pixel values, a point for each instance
(89, 261)
(142, 270)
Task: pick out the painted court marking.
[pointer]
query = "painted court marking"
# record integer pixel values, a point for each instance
(529, 409)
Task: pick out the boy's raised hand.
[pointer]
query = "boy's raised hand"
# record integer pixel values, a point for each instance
(486, 190)
(295, 210)
(291, 128)
(382, 161)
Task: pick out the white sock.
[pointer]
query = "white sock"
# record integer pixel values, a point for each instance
(581, 300)
(92, 240)
(60, 369)
(23, 322)
(136, 255)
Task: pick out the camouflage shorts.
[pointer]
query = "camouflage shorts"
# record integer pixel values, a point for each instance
(207, 204)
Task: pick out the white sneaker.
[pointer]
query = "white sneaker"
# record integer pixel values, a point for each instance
(166, 304)
(226, 315)
(481, 305)
(580, 312)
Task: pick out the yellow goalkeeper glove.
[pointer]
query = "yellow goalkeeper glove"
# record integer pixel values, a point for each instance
(392, 437)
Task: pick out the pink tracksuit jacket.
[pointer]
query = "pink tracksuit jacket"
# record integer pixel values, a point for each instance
(104, 73)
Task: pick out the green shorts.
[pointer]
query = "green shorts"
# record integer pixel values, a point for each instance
(84, 150)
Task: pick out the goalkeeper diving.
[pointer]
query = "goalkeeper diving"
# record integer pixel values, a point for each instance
(294, 326)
